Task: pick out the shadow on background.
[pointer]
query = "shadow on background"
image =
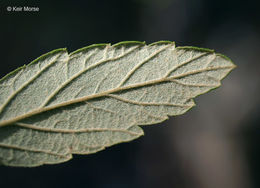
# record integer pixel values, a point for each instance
(216, 144)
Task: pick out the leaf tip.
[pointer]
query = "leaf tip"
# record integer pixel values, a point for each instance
(232, 64)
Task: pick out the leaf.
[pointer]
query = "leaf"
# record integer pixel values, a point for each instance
(79, 103)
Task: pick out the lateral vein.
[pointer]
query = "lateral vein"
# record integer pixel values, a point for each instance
(30, 150)
(83, 71)
(184, 63)
(26, 84)
(200, 71)
(69, 131)
(130, 73)
(145, 103)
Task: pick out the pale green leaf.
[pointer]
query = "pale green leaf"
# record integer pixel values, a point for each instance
(79, 103)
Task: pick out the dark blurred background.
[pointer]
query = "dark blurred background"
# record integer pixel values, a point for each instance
(214, 145)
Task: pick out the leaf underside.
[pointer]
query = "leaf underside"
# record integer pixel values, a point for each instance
(79, 103)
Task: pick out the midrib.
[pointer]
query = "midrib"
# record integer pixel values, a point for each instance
(103, 94)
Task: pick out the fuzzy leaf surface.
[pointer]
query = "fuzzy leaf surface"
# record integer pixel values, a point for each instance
(79, 103)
